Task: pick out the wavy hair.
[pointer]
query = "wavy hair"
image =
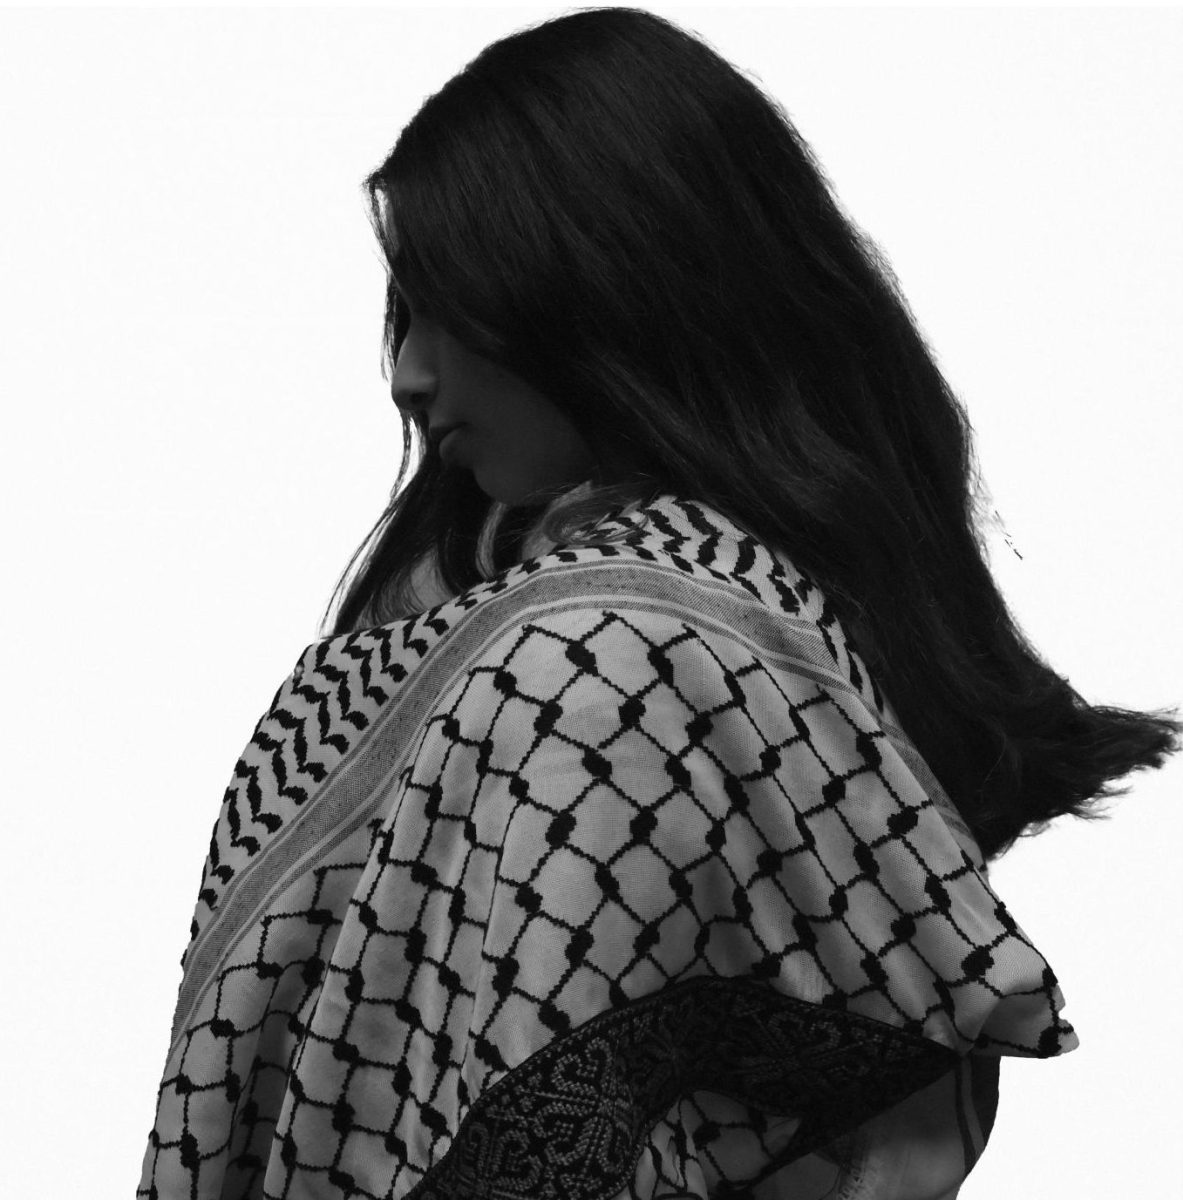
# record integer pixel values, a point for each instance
(606, 207)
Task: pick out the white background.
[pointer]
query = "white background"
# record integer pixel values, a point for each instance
(197, 435)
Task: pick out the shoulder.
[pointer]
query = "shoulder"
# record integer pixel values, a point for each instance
(667, 590)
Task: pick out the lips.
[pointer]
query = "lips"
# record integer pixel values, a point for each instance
(448, 444)
(437, 434)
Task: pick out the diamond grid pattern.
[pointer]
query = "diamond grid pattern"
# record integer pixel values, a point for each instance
(631, 865)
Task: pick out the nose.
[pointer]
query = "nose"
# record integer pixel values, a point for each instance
(415, 379)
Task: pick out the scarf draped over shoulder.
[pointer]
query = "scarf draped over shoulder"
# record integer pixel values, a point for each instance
(614, 876)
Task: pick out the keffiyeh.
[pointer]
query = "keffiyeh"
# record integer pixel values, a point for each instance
(614, 876)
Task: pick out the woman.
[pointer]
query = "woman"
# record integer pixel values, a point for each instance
(627, 834)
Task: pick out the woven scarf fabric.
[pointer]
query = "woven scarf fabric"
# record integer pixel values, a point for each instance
(614, 876)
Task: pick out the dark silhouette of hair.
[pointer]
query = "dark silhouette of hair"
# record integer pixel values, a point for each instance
(606, 207)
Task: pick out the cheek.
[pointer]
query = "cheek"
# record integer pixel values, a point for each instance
(512, 464)
(551, 436)
(556, 455)
(522, 437)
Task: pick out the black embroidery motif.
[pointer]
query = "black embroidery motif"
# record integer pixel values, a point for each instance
(570, 1123)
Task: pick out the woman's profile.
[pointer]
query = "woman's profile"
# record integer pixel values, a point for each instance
(627, 833)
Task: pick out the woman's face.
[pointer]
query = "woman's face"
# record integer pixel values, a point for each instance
(515, 442)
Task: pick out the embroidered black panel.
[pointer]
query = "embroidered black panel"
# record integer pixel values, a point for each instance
(570, 1123)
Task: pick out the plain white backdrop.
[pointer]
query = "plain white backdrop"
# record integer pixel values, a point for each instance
(197, 435)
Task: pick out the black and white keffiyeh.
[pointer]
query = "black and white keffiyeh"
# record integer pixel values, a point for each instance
(613, 876)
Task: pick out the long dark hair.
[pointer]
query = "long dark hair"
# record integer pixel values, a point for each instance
(606, 207)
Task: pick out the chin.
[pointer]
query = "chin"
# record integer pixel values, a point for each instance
(506, 491)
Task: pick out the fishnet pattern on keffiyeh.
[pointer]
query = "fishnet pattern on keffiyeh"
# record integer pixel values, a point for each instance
(489, 897)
